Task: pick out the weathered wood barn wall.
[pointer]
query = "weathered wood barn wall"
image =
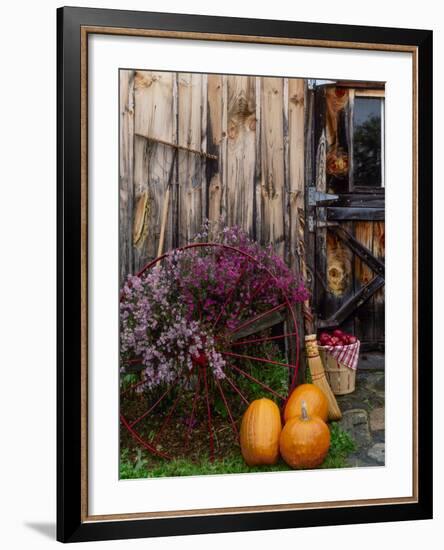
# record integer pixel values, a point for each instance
(272, 138)
(254, 125)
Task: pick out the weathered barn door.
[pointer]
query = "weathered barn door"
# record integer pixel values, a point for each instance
(345, 208)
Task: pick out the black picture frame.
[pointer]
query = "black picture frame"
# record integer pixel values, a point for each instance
(71, 523)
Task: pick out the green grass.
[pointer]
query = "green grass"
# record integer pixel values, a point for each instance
(136, 464)
(341, 446)
(143, 465)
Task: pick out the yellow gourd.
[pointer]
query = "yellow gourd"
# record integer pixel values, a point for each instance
(260, 431)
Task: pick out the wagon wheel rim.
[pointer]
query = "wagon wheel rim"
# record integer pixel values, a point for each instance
(231, 345)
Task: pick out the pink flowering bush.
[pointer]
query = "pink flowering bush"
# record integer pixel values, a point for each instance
(175, 315)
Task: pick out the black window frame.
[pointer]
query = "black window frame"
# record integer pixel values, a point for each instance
(374, 93)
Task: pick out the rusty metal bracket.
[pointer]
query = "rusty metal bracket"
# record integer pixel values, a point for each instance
(203, 154)
(327, 224)
(319, 224)
(316, 198)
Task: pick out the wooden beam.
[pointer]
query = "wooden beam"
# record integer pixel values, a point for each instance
(354, 303)
(370, 93)
(359, 200)
(338, 213)
(364, 253)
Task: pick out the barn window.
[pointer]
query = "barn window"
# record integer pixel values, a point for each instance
(368, 141)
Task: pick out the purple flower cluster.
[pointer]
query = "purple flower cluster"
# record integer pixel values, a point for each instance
(171, 316)
(254, 278)
(156, 332)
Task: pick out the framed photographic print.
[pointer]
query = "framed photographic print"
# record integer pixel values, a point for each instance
(245, 266)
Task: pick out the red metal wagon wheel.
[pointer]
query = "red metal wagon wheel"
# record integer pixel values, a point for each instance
(170, 419)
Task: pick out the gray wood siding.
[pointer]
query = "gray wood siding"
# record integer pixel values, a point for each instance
(254, 125)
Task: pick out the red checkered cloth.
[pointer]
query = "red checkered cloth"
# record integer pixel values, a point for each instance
(346, 355)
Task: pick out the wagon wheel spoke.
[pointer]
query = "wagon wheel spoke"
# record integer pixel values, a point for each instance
(166, 421)
(258, 359)
(133, 387)
(190, 420)
(265, 339)
(210, 426)
(227, 407)
(146, 413)
(254, 379)
(145, 444)
(236, 389)
(257, 318)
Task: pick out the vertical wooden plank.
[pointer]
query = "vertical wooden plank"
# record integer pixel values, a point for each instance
(350, 137)
(241, 151)
(296, 124)
(143, 203)
(287, 193)
(290, 348)
(345, 136)
(379, 297)
(324, 299)
(364, 318)
(223, 148)
(174, 210)
(214, 138)
(334, 260)
(309, 164)
(153, 119)
(339, 277)
(204, 174)
(296, 183)
(126, 159)
(338, 135)
(272, 151)
(190, 165)
(349, 324)
(257, 206)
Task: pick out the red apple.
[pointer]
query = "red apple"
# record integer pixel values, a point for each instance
(338, 333)
(352, 339)
(334, 341)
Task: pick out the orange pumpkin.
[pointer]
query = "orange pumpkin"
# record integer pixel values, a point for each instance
(315, 400)
(305, 440)
(259, 433)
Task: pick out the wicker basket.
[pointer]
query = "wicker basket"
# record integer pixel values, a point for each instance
(342, 379)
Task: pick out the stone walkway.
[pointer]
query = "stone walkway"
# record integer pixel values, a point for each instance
(363, 412)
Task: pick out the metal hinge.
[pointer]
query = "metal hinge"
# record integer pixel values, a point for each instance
(327, 224)
(314, 83)
(319, 224)
(311, 224)
(316, 197)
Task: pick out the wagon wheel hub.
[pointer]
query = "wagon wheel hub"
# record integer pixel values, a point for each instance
(200, 360)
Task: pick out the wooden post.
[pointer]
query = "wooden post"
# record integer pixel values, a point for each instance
(154, 108)
(241, 153)
(272, 152)
(126, 173)
(190, 205)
